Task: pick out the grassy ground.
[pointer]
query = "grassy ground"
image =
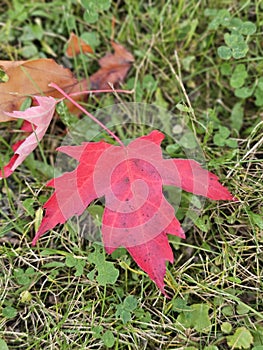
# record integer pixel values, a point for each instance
(202, 60)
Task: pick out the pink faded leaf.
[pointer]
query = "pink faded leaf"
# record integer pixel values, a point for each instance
(36, 121)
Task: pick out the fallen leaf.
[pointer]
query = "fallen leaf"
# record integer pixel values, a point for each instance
(5, 65)
(29, 78)
(136, 215)
(114, 68)
(36, 121)
(76, 45)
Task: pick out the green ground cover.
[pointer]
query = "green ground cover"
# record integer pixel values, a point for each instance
(201, 60)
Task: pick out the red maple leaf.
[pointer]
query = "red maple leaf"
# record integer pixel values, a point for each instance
(137, 216)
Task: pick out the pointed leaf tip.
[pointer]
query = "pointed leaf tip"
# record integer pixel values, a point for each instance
(155, 136)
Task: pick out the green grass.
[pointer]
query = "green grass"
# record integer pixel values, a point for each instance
(66, 293)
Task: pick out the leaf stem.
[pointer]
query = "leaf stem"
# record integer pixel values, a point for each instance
(99, 91)
(55, 86)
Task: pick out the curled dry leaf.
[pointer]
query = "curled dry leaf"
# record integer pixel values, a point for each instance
(29, 78)
(76, 45)
(114, 68)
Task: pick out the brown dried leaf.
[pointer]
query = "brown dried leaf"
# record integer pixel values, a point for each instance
(76, 45)
(27, 78)
(114, 68)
